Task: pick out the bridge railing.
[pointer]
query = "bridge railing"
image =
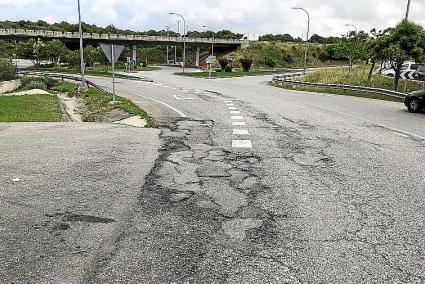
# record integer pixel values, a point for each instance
(96, 36)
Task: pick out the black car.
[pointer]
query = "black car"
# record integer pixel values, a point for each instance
(415, 101)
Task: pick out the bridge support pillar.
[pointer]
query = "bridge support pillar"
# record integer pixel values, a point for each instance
(134, 53)
(196, 54)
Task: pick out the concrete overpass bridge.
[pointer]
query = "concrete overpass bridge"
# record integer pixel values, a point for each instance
(131, 40)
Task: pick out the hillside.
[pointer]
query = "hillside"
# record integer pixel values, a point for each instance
(288, 55)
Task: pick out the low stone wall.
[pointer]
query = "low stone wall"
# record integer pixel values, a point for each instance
(9, 86)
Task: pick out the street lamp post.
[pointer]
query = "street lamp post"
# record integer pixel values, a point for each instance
(307, 39)
(80, 30)
(168, 35)
(212, 47)
(353, 26)
(407, 10)
(184, 38)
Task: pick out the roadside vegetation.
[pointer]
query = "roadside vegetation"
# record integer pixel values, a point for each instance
(358, 76)
(219, 74)
(99, 105)
(47, 107)
(7, 70)
(30, 108)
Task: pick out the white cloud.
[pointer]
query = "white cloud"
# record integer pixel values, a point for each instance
(328, 17)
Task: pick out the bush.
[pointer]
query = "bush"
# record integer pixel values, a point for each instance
(7, 71)
(269, 62)
(65, 87)
(43, 83)
(224, 62)
(35, 85)
(246, 64)
(228, 69)
(218, 70)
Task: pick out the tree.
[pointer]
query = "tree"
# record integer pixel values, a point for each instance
(54, 50)
(73, 58)
(376, 47)
(93, 55)
(33, 50)
(405, 42)
(352, 47)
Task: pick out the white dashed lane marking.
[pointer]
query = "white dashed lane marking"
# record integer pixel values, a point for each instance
(232, 108)
(240, 132)
(241, 144)
(239, 123)
(237, 117)
(235, 112)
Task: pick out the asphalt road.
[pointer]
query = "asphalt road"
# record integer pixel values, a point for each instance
(67, 193)
(253, 184)
(263, 185)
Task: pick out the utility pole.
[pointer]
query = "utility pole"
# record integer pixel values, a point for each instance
(307, 39)
(80, 30)
(407, 10)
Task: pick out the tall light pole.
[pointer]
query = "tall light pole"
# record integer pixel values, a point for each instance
(80, 30)
(184, 38)
(212, 45)
(212, 48)
(353, 26)
(407, 10)
(168, 34)
(308, 35)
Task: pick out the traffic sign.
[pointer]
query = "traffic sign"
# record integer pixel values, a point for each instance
(107, 49)
(408, 75)
(211, 59)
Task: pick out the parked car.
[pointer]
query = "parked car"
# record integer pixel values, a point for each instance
(420, 73)
(415, 101)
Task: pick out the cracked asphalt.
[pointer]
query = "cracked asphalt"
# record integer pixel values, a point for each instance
(329, 189)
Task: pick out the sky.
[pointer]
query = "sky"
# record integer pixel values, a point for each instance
(328, 17)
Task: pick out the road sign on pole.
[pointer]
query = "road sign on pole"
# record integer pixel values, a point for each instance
(112, 52)
(408, 75)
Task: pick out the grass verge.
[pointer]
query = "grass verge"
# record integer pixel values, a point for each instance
(358, 77)
(31, 108)
(98, 72)
(228, 74)
(338, 92)
(99, 105)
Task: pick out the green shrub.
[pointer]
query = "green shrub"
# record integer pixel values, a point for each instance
(228, 69)
(224, 62)
(35, 85)
(65, 87)
(44, 83)
(7, 71)
(246, 64)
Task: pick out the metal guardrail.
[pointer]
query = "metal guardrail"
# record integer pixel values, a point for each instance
(63, 77)
(113, 37)
(283, 79)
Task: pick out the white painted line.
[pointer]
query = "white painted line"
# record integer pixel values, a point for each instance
(240, 132)
(162, 103)
(241, 144)
(228, 102)
(183, 98)
(239, 123)
(232, 108)
(235, 112)
(237, 117)
(229, 105)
